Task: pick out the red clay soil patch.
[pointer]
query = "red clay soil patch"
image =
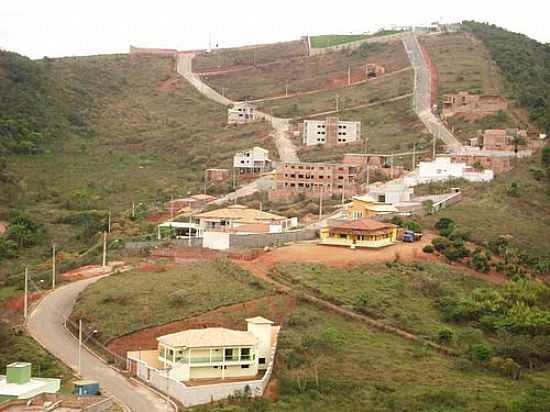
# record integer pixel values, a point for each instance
(158, 217)
(169, 85)
(275, 307)
(18, 302)
(91, 271)
(434, 75)
(3, 228)
(343, 256)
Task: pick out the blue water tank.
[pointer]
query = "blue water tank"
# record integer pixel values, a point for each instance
(86, 388)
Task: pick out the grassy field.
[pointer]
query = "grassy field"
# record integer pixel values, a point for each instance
(489, 211)
(401, 295)
(328, 363)
(362, 94)
(121, 304)
(308, 73)
(463, 64)
(248, 56)
(327, 40)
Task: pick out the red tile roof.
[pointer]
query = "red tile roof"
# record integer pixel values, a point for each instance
(362, 225)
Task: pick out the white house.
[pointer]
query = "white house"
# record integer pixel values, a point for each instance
(255, 160)
(241, 113)
(442, 168)
(216, 353)
(394, 192)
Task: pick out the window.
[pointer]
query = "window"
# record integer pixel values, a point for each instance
(261, 361)
(245, 354)
(245, 366)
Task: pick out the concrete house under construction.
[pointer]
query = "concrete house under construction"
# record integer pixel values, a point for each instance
(241, 113)
(331, 131)
(313, 178)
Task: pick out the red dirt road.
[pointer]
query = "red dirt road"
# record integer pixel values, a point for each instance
(275, 307)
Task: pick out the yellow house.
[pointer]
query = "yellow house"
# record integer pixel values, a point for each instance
(359, 233)
(366, 206)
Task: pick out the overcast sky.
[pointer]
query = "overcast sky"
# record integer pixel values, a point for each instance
(53, 28)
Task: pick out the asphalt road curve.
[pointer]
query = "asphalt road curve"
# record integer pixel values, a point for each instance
(46, 325)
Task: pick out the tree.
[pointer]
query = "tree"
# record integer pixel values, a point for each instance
(7, 248)
(428, 206)
(445, 226)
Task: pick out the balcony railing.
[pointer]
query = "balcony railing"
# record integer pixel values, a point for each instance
(216, 359)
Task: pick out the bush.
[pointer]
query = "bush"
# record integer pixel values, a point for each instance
(428, 249)
(441, 243)
(480, 353)
(480, 263)
(445, 335)
(445, 226)
(412, 225)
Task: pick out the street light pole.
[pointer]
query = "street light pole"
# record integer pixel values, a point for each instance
(25, 298)
(79, 346)
(53, 266)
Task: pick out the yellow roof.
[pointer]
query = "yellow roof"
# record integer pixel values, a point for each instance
(241, 214)
(381, 208)
(259, 320)
(365, 198)
(209, 337)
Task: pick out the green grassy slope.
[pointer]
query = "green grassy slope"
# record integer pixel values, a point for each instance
(525, 64)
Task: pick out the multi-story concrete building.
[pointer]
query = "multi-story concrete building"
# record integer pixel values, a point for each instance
(313, 178)
(466, 103)
(331, 131)
(241, 113)
(255, 160)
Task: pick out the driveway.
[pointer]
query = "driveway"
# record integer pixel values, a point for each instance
(46, 325)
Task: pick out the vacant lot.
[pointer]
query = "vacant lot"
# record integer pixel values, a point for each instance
(248, 56)
(121, 304)
(374, 91)
(400, 294)
(462, 63)
(300, 75)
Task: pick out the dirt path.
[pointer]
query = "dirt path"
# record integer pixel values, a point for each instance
(274, 307)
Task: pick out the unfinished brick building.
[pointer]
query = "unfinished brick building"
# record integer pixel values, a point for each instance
(376, 162)
(466, 103)
(217, 175)
(314, 179)
(331, 131)
(497, 164)
(502, 139)
(374, 70)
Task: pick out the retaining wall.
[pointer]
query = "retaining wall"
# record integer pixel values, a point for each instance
(260, 240)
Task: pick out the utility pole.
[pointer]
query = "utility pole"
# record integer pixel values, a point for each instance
(286, 89)
(104, 249)
(414, 157)
(343, 190)
(205, 181)
(79, 346)
(53, 265)
(25, 297)
(109, 222)
(189, 232)
(349, 75)
(433, 149)
(133, 209)
(391, 165)
(171, 207)
(368, 174)
(321, 203)
(337, 103)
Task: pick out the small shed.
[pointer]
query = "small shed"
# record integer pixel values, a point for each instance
(86, 388)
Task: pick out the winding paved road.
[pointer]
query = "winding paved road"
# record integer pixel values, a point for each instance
(422, 94)
(46, 325)
(285, 147)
